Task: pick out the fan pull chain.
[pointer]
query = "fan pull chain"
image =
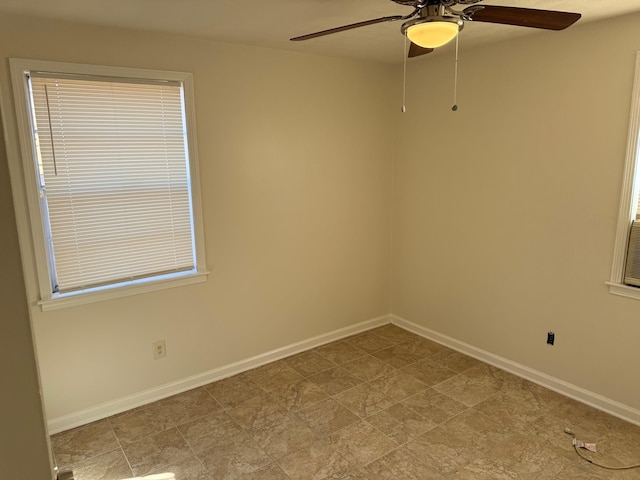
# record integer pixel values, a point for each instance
(404, 75)
(455, 79)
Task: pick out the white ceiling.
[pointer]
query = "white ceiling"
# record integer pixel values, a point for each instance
(270, 23)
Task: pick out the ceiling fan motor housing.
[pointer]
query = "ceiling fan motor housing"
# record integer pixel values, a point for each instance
(433, 27)
(432, 18)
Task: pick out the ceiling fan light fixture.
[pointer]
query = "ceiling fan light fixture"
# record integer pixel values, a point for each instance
(432, 32)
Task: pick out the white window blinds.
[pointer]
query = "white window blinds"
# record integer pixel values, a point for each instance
(114, 178)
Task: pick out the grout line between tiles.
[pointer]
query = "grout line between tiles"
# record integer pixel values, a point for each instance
(124, 454)
(193, 452)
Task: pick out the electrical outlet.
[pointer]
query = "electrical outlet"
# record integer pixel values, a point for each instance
(159, 349)
(551, 338)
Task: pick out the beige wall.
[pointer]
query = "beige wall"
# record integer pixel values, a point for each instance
(24, 451)
(505, 212)
(503, 221)
(295, 157)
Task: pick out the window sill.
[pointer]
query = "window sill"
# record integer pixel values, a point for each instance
(624, 290)
(123, 290)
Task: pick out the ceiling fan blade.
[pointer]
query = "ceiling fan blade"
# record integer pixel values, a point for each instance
(347, 27)
(523, 17)
(417, 50)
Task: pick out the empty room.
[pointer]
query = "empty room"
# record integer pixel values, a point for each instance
(354, 255)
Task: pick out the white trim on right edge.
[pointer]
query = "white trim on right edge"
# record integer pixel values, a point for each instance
(560, 386)
(628, 197)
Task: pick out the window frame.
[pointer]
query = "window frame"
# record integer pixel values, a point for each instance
(629, 196)
(47, 299)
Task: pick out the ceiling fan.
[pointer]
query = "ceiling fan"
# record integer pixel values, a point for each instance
(434, 23)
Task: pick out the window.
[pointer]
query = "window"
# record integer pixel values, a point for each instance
(627, 246)
(109, 162)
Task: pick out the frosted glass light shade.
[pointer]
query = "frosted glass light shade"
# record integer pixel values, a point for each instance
(432, 34)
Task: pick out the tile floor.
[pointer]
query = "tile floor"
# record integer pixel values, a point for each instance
(383, 404)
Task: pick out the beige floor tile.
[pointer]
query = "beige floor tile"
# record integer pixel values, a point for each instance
(190, 468)
(423, 347)
(484, 469)
(257, 412)
(446, 450)
(527, 393)
(495, 376)
(551, 429)
(361, 443)
(429, 372)
(531, 458)
(401, 464)
(584, 420)
(282, 438)
(397, 385)
(623, 427)
(210, 431)
(141, 422)
(187, 406)
(299, 395)
(156, 452)
(398, 356)
(83, 443)
(400, 423)
(511, 411)
(234, 460)
(340, 352)
(617, 474)
(487, 430)
(233, 390)
(434, 406)
(394, 333)
(106, 466)
(467, 390)
(267, 370)
(335, 380)
(624, 444)
(368, 368)
(509, 447)
(326, 417)
(278, 380)
(270, 472)
(419, 347)
(370, 342)
(309, 363)
(317, 461)
(455, 361)
(357, 473)
(364, 400)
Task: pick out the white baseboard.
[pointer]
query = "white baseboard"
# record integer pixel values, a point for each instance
(119, 405)
(592, 399)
